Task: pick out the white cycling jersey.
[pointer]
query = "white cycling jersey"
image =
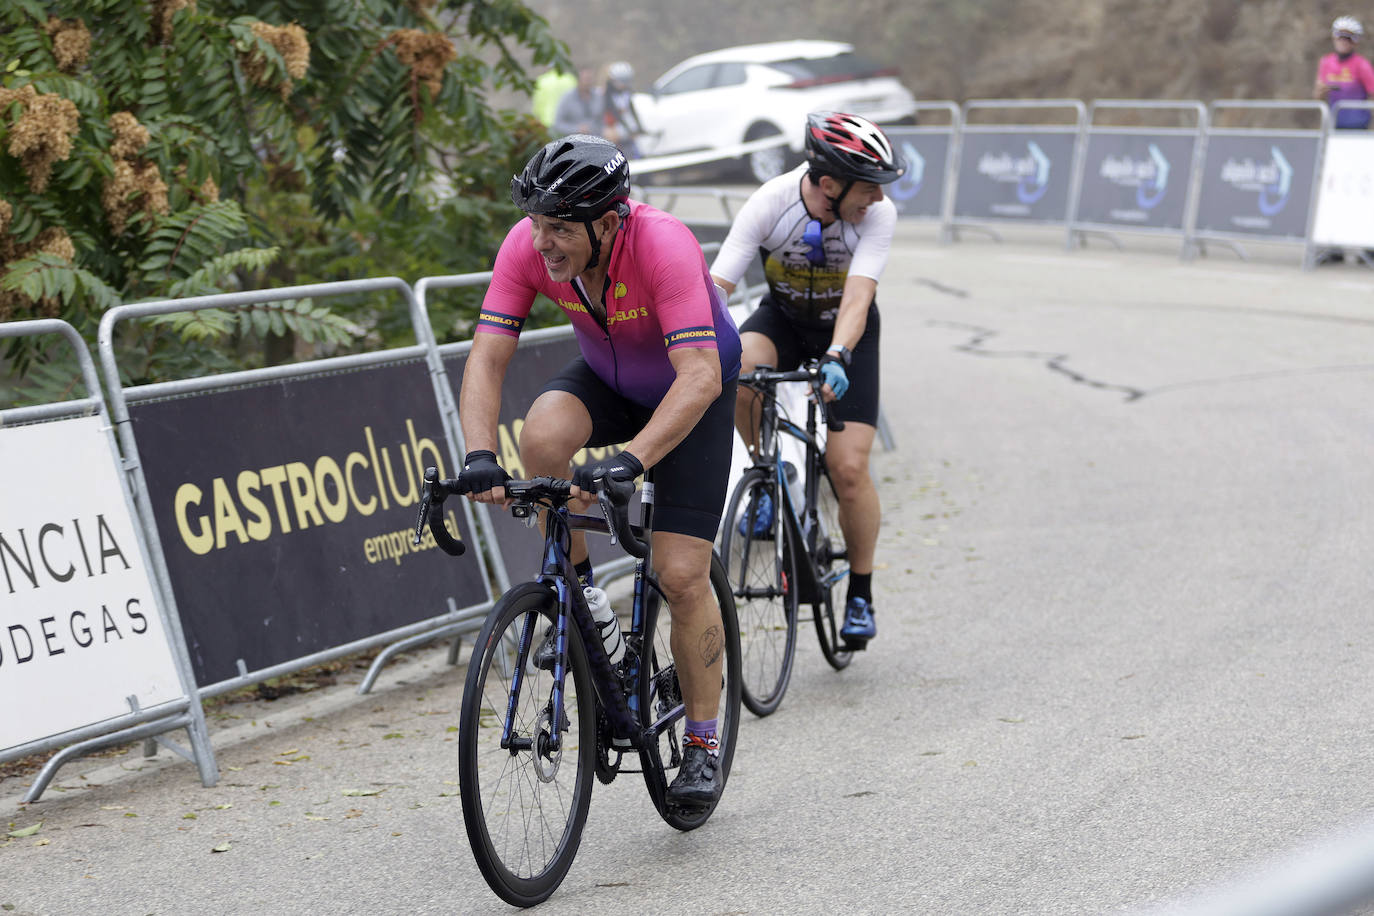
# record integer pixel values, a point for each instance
(771, 224)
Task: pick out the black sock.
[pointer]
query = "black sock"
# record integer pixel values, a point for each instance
(860, 585)
(584, 571)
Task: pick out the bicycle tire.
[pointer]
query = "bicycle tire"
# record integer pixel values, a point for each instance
(828, 546)
(766, 566)
(523, 850)
(659, 693)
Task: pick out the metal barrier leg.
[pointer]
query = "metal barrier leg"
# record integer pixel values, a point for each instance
(885, 433)
(71, 752)
(422, 639)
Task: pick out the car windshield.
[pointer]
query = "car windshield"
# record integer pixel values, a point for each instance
(842, 66)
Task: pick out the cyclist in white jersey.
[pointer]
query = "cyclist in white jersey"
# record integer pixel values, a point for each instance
(824, 231)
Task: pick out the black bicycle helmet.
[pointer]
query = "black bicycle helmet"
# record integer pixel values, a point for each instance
(578, 177)
(850, 148)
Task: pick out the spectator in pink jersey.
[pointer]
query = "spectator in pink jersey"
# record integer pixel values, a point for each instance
(1344, 75)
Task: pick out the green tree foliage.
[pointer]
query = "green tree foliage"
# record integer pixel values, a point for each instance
(167, 148)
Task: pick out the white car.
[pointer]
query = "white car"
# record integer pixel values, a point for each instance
(722, 98)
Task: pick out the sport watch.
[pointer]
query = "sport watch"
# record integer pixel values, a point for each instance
(843, 353)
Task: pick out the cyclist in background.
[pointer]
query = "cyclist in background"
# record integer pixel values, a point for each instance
(657, 371)
(824, 231)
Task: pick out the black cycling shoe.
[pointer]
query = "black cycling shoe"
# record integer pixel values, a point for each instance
(698, 783)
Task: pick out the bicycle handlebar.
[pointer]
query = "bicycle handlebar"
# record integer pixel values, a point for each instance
(809, 373)
(613, 496)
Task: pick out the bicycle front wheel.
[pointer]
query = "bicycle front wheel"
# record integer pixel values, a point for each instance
(832, 564)
(761, 565)
(660, 699)
(524, 800)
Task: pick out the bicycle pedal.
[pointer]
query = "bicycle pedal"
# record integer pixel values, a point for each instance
(855, 645)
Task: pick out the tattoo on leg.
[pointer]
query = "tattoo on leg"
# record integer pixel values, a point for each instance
(710, 645)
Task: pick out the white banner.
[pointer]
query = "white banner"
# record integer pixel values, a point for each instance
(80, 627)
(1345, 203)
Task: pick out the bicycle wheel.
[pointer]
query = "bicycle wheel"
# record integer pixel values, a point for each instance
(763, 573)
(832, 565)
(660, 700)
(525, 808)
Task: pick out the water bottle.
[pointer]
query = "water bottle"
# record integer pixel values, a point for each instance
(607, 624)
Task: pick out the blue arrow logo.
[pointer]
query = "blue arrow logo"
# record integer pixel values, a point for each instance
(1149, 193)
(1270, 205)
(1028, 193)
(909, 185)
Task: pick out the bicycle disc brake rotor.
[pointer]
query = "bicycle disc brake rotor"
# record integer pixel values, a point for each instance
(545, 764)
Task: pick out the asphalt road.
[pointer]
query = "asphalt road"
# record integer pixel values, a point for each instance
(1124, 649)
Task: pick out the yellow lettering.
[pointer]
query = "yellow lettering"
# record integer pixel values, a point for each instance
(327, 471)
(352, 461)
(376, 467)
(411, 495)
(510, 453)
(274, 477)
(260, 528)
(303, 494)
(201, 541)
(226, 515)
(419, 447)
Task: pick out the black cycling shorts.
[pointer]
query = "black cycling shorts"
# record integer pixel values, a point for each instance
(690, 481)
(795, 343)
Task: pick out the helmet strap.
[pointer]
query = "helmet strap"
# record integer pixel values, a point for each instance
(835, 201)
(596, 247)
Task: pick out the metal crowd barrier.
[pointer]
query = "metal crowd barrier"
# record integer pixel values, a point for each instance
(931, 152)
(1259, 183)
(1137, 179)
(148, 718)
(300, 400)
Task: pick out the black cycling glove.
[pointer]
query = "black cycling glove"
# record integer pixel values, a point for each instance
(481, 472)
(622, 467)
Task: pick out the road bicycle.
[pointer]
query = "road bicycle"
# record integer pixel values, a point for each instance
(530, 735)
(792, 555)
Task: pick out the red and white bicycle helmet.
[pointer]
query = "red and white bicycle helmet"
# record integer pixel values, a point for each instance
(851, 148)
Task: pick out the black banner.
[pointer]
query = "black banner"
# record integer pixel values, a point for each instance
(534, 363)
(1016, 174)
(920, 192)
(1257, 185)
(1136, 179)
(286, 509)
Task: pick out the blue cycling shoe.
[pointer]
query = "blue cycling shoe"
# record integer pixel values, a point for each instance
(859, 625)
(763, 516)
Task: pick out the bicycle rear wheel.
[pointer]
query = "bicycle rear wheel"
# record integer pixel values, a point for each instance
(762, 569)
(524, 809)
(832, 565)
(660, 700)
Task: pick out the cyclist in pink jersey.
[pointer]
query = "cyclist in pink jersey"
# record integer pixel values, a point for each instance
(657, 372)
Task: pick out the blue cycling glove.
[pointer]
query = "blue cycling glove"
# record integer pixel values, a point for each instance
(832, 370)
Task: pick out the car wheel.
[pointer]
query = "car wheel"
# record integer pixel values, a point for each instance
(768, 163)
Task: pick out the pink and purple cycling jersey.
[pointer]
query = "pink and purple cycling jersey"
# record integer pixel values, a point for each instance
(659, 297)
(1349, 79)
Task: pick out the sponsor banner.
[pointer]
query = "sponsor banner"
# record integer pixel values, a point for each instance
(1257, 185)
(920, 193)
(1136, 179)
(80, 626)
(286, 511)
(534, 363)
(1345, 202)
(1015, 174)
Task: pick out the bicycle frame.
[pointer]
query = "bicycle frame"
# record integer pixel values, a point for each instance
(621, 706)
(802, 522)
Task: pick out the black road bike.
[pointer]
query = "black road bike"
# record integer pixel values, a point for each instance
(792, 555)
(531, 737)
